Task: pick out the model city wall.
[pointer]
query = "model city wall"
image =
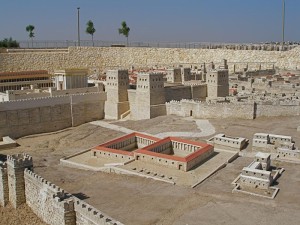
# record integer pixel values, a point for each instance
(39, 115)
(101, 58)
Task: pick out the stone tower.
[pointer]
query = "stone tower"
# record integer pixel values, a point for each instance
(217, 83)
(174, 75)
(16, 165)
(185, 74)
(117, 93)
(150, 96)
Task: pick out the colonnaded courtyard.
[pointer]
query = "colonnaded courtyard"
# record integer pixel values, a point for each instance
(137, 200)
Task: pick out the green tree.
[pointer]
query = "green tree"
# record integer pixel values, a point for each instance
(30, 29)
(90, 29)
(9, 43)
(124, 30)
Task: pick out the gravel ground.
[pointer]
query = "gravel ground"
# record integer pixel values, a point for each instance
(136, 201)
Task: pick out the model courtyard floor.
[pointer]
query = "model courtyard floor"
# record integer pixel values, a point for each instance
(135, 200)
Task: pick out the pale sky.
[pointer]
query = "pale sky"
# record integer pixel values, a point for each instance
(152, 20)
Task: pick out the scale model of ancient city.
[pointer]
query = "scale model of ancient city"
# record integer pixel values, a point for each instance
(138, 135)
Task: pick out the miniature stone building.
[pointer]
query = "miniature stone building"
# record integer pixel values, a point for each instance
(288, 153)
(283, 146)
(271, 142)
(175, 153)
(70, 78)
(258, 176)
(222, 141)
(172, 152)
(23, 79)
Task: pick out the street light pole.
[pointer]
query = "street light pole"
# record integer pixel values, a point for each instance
(78, 34)
(283, 21)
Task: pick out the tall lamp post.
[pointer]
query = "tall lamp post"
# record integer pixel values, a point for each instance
(283, 21)
(78, 34)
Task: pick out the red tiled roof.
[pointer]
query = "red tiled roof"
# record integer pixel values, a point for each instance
(203, 149)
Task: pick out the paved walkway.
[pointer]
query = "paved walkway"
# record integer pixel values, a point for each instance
(204, 126)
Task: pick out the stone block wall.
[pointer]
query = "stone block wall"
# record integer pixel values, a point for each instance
(3, 185)
(277, 110)
(204, 110)
(201, 158)
(178, 93)
(100, 58)
(87, 107)
(30, 116)
(88, 215)
(48, 201)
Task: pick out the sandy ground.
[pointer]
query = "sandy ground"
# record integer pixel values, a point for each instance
(134, 200)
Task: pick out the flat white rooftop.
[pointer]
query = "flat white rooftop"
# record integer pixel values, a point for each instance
(262, 155)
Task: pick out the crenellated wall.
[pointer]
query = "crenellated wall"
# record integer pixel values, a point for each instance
(101, 58)
(240, 110)
(48, 201)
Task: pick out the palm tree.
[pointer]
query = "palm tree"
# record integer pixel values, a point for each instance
(124, 30)
(90, 29)
(30, 29)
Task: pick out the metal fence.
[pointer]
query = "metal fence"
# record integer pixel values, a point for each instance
(188, 45)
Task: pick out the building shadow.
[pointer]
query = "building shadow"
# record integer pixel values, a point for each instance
(3, 158)
(81, 196)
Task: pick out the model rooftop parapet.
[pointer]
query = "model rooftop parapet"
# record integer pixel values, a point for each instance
(20, 161)
(16, 164)
(271, 142)
(91, 215)
(226, 142)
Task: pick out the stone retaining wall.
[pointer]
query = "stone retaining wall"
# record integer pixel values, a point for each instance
(100, 58)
